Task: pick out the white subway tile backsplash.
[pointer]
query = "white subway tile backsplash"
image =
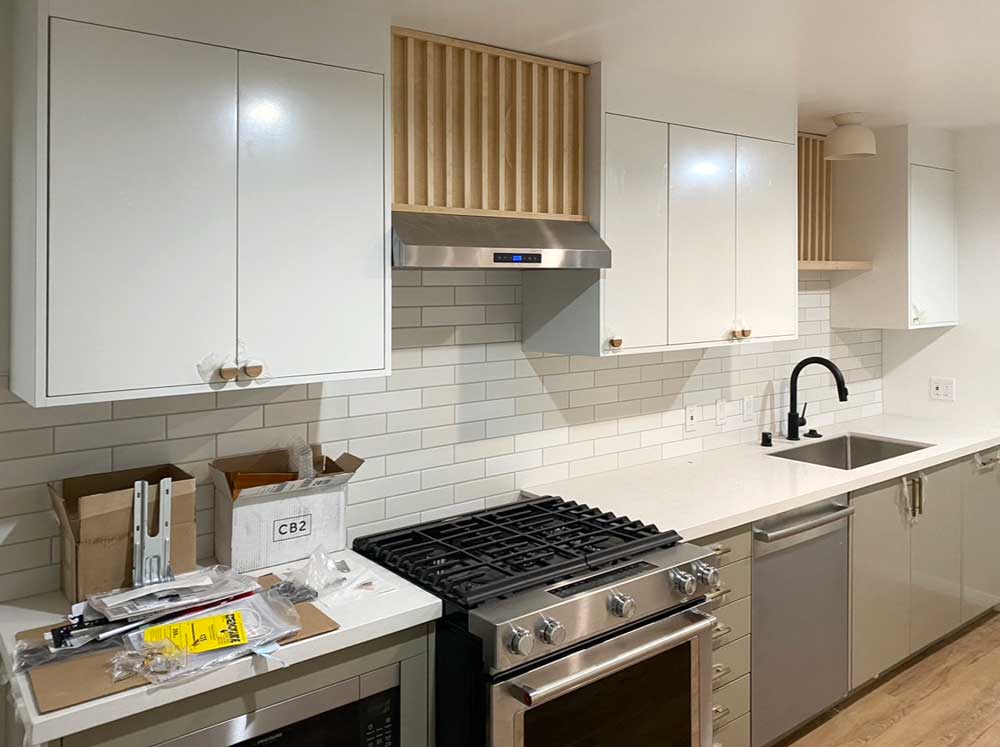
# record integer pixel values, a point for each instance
(466, 419)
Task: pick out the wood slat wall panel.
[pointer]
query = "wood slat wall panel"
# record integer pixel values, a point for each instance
(815, 201)
(480, 130)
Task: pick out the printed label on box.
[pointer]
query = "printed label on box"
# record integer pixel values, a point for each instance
(292, 528)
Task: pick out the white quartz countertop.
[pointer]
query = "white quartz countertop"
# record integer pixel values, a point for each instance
(712, 491)
(360, 620)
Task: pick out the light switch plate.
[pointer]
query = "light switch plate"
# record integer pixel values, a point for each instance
(748, 413)
(942, 388)
(720, 412)
(691, 419)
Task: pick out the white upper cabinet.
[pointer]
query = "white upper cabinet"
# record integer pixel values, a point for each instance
(767, 298)
(898, 210)
(702, 272)
(310, 221)
(142, 209)
(191, 217)
(635, 301)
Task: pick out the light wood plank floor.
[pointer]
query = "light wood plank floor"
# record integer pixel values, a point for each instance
(948, 698)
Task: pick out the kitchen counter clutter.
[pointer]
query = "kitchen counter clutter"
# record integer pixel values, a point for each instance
(713, 491)
(382, 614)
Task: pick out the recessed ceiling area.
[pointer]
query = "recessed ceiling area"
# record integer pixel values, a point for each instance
(922, 62)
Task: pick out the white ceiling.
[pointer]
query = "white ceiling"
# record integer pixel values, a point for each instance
(929, 62)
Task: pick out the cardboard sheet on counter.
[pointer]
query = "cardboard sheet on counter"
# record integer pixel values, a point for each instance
(85, 677)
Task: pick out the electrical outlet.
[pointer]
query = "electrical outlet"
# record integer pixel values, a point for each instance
(691, 419)
(720, 412)
(748, 413)
(942, 388)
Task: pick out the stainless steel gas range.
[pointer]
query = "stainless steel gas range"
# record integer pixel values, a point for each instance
(563, 626)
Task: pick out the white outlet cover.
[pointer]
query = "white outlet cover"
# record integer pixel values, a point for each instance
(748, 413)
(720, 412)
(691, 418)
(943, 388)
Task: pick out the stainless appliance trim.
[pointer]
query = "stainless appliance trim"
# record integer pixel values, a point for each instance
(287, 712)
(469, 241)
(765, 535)
(510, 700)
(588, 613)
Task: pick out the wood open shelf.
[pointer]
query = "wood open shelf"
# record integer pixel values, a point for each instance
(841, 265)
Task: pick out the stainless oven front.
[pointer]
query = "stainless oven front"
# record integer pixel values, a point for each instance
(651, 685)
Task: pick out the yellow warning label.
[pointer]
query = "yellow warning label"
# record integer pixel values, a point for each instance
(201, 634)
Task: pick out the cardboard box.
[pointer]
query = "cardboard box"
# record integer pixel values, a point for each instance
(95, 514)
(263, 518)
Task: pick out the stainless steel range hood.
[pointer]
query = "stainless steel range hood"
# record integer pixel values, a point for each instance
(465, 241)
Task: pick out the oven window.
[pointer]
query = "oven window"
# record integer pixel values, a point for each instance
(372, 722)
(646, 705)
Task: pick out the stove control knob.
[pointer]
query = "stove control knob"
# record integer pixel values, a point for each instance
(521, 642)
(621, 605)
(553, 632)
(708, 575)
(685, 583)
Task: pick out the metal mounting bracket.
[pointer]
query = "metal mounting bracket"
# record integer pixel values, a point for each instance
(151, 553)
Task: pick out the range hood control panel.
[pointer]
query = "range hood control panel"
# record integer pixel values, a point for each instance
(524, 258)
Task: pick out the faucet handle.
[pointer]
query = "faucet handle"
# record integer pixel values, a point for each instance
(802, 417)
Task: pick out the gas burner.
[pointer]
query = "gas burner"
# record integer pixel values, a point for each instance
(473, 558)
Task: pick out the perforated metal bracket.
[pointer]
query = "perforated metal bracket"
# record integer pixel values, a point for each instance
(151, 553)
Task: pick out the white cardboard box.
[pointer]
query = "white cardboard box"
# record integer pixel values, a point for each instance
(265, 525)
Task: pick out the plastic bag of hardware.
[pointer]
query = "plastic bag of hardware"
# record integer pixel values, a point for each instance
(199, 587)
(300, 459)
(336, 579)
(156, 659)
(211, 638)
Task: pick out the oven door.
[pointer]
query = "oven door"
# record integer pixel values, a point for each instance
(651, 686)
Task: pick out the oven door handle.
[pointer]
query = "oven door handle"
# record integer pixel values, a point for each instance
(645, 647)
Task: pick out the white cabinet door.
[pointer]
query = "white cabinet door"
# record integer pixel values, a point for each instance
(635, 227)
(142, 209)
(936, 558)
(933, 257)
(766, 237)
(981, 525)
(702, 236)
(312, 262)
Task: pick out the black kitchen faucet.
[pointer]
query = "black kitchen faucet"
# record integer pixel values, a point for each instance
(794, 419)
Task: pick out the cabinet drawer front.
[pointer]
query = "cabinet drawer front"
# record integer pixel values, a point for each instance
(734, 734)
(730, 662)
(731, 702)
(730, 546)
(735, 583)
(733, 622)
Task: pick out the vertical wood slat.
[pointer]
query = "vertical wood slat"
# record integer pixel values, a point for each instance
(482, 129)
(815, 201)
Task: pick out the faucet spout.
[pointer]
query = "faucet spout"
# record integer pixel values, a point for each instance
(794, 419)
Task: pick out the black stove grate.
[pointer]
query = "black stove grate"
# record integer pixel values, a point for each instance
(476, 557)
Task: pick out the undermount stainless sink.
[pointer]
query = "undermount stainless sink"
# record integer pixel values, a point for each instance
(850, 451)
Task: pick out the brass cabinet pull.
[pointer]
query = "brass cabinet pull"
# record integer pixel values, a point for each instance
(713, 595)
(229, 373)
(615, 342)
(719, 549)
(719, 713)
(721, 630)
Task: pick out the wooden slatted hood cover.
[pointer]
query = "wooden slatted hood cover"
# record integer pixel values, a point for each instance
(484, 131)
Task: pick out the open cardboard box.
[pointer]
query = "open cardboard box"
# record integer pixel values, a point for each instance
(95, 514)
(262, 518)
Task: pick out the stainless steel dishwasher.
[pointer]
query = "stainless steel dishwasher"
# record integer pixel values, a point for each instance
(799, 617)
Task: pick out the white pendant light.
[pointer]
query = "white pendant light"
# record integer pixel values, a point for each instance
(850, 139)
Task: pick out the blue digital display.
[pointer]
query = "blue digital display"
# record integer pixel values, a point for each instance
(522, 259)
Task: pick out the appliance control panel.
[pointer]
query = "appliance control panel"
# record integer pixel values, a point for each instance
(510, 258)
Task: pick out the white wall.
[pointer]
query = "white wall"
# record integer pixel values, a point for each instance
(969, 352)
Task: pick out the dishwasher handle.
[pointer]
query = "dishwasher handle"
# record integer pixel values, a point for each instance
(764, 535)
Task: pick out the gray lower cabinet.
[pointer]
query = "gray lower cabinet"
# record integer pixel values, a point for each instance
(980, 533)
(906, 571)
